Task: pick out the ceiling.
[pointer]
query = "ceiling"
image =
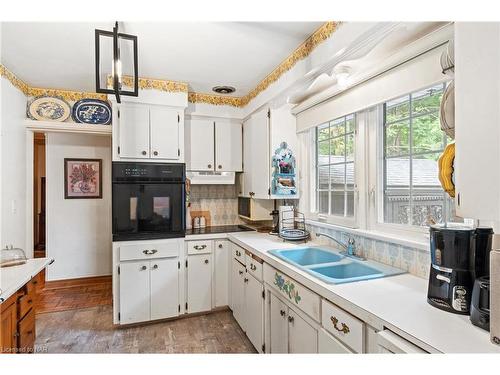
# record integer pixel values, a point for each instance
(202, 54)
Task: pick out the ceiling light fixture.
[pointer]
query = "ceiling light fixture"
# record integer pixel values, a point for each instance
(342, 74)
(103, 48)
(223, 89)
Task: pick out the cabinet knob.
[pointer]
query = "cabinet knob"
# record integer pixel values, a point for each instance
(282, 312)
(209, 166)
(219, 166)
(155, 153)
(144, 152)
(252, 267)
(240, 272)
(220, 246)
(290, 319)
(206, 261)
(143, 268)
(245, 279)
(155, 266)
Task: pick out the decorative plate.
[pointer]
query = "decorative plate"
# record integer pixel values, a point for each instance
(445, 163)
(48, 108)
(447, 111)
(92, 111)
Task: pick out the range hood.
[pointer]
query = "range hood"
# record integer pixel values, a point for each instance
(211, 178)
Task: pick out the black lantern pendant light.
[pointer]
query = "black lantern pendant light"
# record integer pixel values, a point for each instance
(116, 65)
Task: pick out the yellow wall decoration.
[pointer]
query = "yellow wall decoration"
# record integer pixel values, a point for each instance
(445, 164)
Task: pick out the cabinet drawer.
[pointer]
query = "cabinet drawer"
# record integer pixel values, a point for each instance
(199, 247)
(239, 254)
(145, 250)
(26, 302)
(294, 292)
(254, 265)
(327, 344)
(26, 329)
(344, 326)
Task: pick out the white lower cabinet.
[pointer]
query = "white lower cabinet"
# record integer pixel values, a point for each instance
(221, 273)
(327, 344)
(254, 311)
(199, 283)
(289, 330)
(238, 292)
(164, 276)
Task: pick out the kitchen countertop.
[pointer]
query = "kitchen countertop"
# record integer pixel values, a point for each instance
(397, 302)
(13, 278)
(216, 229)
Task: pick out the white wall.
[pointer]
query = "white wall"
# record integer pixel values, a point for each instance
(13, 167)
(78, 230)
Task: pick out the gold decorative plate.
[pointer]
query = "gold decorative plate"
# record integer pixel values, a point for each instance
(445, 164)
(48, 108)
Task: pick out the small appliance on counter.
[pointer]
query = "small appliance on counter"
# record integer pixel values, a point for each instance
(276, 221)
(11, 256)
(459, 255)
(480, 305)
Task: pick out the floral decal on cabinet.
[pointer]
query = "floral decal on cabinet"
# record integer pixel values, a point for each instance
(287, 287)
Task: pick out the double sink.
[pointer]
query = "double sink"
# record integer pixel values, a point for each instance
(332, 267)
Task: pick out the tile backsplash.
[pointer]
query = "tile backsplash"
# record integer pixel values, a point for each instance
(415, 261)
(220, 200)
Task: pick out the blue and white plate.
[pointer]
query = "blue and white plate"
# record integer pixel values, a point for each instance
(92, 111)
(48, 108)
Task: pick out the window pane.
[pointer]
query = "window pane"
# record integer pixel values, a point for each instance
(337, 127)
(425, 171)
(323, 152)
(323, 202)
(349, 147)
(337, 173)
(397, 109)
(350, 203)
(397, 139)
(350, 125)
(323, 178)
(397, 206)
(427, 134)
(350, 178)
(337, 150)
(427, 100)
(323, 132)
(338, 203)
(397, 172)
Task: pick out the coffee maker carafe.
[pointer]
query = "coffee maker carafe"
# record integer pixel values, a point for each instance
(459, 255)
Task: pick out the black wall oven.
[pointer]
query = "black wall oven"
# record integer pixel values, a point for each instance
(148, 201)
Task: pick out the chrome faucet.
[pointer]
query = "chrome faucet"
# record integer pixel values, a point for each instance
(349, 249)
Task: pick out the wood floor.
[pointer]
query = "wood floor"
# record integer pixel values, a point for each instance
(74, 294)
(91, 330)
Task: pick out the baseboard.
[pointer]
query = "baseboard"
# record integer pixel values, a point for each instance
(81, 281)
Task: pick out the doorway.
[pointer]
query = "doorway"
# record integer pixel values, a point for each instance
(39, 197)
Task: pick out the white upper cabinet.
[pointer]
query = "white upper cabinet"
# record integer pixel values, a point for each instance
(134, 132)
(213, 146)
(145, 132)
(228, 147)
(165, 133)
(477, 119)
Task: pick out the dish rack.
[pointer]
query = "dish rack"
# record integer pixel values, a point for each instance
(293, 228)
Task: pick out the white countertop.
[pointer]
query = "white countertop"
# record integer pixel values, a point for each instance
(397, 302)
(13, 278)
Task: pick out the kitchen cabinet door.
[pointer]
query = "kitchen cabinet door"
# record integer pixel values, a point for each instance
(278, 325)
(165, 133)
(134, 131)
(327, 344)
(8, 324)
(302, 337)
(228, 147)
(254, 310)
(199, 290)
(238, 293)
(200, 147)
(246, 181)
(164, 288)
(134, 292)
(259, 153)
(221, 269)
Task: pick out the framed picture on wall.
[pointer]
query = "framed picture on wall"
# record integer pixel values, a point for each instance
(82, 178)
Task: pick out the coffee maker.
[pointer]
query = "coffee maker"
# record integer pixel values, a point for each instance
(459, 255)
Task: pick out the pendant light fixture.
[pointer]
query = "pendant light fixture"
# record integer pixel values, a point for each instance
(109, 72)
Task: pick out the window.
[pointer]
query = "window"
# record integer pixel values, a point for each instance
(335, 167)
(412, 144)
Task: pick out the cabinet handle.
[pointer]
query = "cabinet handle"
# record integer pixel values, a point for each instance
(220, 246)
(30, 301)
(143, 268)
(282, 312)
(238, 254)
(150, 252)
(155, 266)
(345, 329)
(155, 153)
(219, 166)
(199, 247)
(16, 334)
(144, 152)
(245, 279)
(240, 272)
(209, 166)
(206, 261)
(252, 267)
(290, 319)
